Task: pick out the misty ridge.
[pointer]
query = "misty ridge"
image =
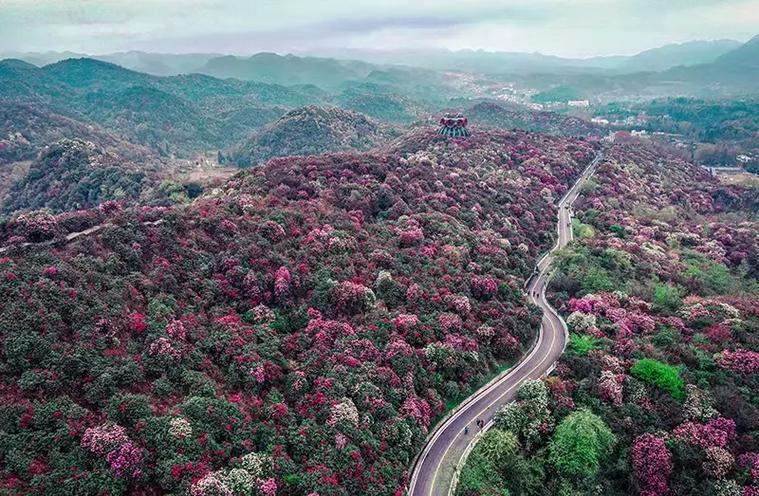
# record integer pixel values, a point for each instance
(492, 62)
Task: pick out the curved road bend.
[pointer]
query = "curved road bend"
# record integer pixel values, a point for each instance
(434, 471)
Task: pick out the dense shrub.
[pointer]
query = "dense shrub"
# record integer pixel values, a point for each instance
(581, 442)
(660, 375)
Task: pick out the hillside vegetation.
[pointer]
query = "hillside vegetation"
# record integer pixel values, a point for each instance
(300, 330)
(656, 393)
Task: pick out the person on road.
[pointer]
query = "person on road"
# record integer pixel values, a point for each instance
(466, 430)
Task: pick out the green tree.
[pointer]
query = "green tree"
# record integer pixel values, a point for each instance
(496, 467)
(661, 375)
(581, 441)
(582, 230)
(498, 447)
(618, 231)
(582, 343)
(525, 416)
(667, 297)
(597, 279)
(478, 477)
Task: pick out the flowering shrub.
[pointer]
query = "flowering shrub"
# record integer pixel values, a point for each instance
(344, 411)
(210, 485)
(610, 387)
(180, 428)
(652, 465)
(351, 298)
(717, 432)
(484, 287)
(583, 322)
(718, 462)
(282, 282)
(111, 441)
(742, 361)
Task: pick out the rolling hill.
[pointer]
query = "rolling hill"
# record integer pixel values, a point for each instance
(490, 115)
(26, 128)
(306, 325)
(372, 101)
(312, 130)
(76, 174)
(177, 115)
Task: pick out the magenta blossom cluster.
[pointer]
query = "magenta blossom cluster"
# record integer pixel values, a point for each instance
(123, 456)
(652, 465)
(740, 360)
(716, 432)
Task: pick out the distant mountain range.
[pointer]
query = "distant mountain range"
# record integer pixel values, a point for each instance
(287, 69)
(357, 64)
(682, 54)
(656, 59)
(172, 115)
(157, 64)
(134, 112)
(735, 71)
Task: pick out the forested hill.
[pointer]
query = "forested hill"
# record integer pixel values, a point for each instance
(299, 330)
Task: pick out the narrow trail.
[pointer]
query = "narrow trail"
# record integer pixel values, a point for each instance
(71, 236)
(435, 472)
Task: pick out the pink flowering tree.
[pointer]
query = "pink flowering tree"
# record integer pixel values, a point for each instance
(652, 465)
(111, 442)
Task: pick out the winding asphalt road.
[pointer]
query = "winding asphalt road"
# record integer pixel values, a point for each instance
(435, 471)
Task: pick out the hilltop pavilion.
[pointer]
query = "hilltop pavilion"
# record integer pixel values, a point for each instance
(454, 125)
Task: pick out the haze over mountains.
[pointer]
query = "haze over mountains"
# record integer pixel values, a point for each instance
(268, 67)
(655, 59)
(220, 102)
(690, 53)
(694, 68)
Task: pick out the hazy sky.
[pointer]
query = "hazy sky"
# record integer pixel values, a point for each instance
(558, 27)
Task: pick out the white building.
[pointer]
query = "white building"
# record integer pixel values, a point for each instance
(744, 159)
